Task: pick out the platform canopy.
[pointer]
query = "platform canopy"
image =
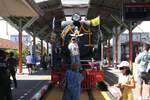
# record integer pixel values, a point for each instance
(17, 8)
(55, 11)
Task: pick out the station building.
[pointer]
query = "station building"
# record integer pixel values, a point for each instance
(138, 38)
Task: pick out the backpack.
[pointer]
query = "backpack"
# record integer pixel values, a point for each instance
(145, 60)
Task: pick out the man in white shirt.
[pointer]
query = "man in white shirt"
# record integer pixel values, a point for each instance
(74, 51)
(29, 63)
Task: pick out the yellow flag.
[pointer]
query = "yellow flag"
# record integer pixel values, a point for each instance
(95, 21)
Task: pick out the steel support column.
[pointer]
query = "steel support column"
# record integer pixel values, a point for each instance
(51, 55)
(109, 54)
(130, 43)
(42, 30)
(42, 48)
(116, 49)
(130, 28)
(33, 47)
(107, 29)
(20, 46)
(120, 22)
(108, 43)
(20, 28)
(30, 22)
(47, 48)
(116, 31)
(90, 39)
(102, 48)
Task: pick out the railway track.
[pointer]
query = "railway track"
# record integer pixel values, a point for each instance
(110, 78)
(56, 94)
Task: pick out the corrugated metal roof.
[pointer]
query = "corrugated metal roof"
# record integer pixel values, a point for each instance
(17, 8)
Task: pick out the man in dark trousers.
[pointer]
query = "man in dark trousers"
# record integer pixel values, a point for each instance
(12, 67)
(5, 89)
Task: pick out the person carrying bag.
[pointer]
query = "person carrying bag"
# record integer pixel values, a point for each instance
(125, 82)
(143, 61)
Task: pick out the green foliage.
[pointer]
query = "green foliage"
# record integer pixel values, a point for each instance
(15, 51)
(24, 54)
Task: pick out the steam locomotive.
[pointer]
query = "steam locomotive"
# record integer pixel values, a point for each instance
(91, 69)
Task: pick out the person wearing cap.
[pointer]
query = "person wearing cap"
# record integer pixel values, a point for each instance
(74, 51)
(126, 81)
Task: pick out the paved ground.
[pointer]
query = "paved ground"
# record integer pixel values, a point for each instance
(28, 85)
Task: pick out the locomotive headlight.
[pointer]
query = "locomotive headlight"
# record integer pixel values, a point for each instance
(76, 17)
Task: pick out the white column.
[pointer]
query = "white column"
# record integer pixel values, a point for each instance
(114, 50)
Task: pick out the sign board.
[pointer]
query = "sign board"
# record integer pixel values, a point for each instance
(26, 39)
(136, 37)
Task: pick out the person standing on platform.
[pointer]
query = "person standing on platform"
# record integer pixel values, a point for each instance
(148, 85)
(44, 61)
(73, 79)
(12, 67)
(34, 60)
(5, 88)
(126, 81)
(29, 63)
(74, 51)
(49, 60)
(142, 60)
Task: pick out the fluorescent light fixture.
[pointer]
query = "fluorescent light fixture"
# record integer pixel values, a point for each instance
(39, 1)
(75, 2)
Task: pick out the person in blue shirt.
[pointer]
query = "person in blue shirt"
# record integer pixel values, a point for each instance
(73, 79)
(33, 61)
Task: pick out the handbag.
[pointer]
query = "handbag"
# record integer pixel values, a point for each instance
(115, 91)
(146, 77)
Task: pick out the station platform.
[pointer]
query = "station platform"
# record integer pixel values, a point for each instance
(29, 85)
